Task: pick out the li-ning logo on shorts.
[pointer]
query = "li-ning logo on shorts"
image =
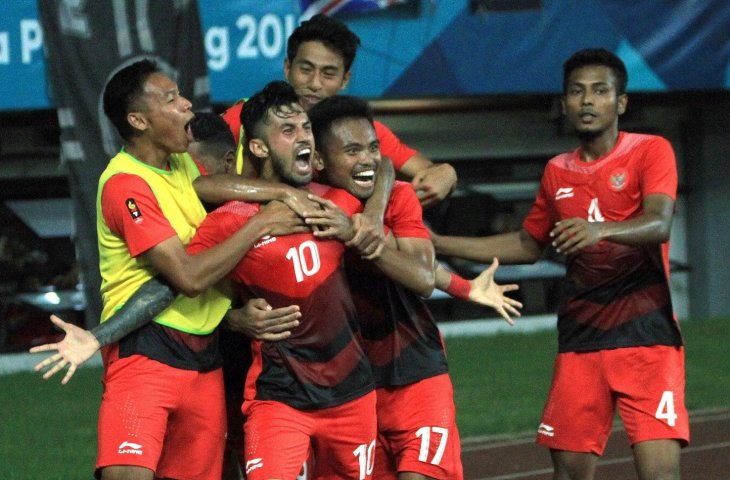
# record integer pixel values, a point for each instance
(253, 464)
(546, 430)
(130, 448)
(564, 192)
(134, 210)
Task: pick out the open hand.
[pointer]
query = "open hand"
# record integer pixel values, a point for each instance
(77, 346)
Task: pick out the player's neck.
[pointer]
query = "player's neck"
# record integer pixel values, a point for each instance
(593, 147)
(148, 153)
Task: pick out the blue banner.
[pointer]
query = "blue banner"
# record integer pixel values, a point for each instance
(343, 7)
(440, 47)
(22, 68)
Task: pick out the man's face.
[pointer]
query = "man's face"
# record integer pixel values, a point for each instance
(591, 103)
(316, 72)
(351, 156)
(287, 139)
(166, 114)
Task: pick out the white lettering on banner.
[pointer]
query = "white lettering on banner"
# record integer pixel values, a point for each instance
(216, 46)
(265, 37)
(4, 48)
(31, 39)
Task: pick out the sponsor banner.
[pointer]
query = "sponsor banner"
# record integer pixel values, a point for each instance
(437, 47)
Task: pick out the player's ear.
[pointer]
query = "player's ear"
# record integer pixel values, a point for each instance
(137, 120)
(345, 80)
(623, 100)
(229, 161)
(317, 161)
(258, 148)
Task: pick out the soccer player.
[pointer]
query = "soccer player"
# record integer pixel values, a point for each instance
(162, 413)
(608, 206)
(320, 54)
(313, 389)
(417, 433)
(212, 146)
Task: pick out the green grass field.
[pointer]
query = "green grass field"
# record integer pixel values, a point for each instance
(47, 431)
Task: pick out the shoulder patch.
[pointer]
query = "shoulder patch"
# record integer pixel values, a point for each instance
(133, 209)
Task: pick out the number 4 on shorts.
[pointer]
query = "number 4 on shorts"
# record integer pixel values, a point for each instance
(665, 410)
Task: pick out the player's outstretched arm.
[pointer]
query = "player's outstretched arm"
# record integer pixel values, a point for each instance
(79, 345)
(482, 290)
(510, 248)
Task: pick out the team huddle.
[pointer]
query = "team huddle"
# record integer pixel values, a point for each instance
(264, 275)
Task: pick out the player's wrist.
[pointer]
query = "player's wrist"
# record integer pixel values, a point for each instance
(458, 287)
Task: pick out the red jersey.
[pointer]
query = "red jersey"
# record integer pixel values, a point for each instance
(399, 333)
(616, 295)
(139, 236)
(322, 363)
(390, 145)
(232, 116)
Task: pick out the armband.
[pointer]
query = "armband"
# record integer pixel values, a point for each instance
(459, 287)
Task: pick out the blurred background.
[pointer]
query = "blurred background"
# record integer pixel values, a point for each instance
(475, 83)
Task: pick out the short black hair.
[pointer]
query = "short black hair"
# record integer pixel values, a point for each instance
(207, 124)
(275, 95)
(213, 131)
(332, 109)
(123, 91)
(596, 56)
(331, 32)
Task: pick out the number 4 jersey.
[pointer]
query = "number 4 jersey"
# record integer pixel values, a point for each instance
(616, 295)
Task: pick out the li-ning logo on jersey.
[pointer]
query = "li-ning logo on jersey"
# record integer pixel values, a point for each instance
(618, 180)
(129, 448)
(264, 241)
(564, 192)
(134, 210)
(253, 464)
(546, 430)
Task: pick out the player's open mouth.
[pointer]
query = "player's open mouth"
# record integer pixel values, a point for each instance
(304, 155)
(364, 178)
(303, 161)
(189, 131)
